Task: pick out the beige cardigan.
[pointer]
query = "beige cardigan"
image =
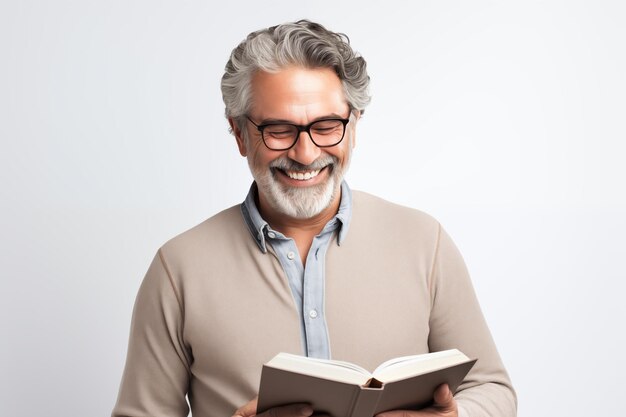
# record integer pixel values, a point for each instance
(213, 308)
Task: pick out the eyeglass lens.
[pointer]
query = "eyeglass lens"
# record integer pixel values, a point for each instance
(323, 133)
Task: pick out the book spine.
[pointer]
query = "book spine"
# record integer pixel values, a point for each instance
(366, 402)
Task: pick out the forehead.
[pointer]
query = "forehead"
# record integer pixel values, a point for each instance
(296, 93)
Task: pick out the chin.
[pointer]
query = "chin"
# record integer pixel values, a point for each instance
(298, 202)
(302, 202)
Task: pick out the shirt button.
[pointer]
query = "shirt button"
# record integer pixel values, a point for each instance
(291, 255)
(271, 235)
(313, 314)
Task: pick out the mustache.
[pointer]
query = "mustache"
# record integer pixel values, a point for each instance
(286, 164)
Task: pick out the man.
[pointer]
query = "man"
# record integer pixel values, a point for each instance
(304, 265)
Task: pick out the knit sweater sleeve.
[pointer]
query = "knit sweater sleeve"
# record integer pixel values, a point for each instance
(456, 321)
(156, 376)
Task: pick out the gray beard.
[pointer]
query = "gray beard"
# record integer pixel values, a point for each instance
(299, 202)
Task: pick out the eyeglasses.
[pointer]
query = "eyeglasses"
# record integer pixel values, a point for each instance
(282, 136)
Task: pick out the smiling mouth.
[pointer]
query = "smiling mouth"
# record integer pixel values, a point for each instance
(301, 175)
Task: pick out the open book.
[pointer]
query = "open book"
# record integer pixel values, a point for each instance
(343, 389)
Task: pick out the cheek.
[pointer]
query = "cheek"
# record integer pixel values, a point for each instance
(342, 155)
(346, 149)
(260, 158)
(256, 162)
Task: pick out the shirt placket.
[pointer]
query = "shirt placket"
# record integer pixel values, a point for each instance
(307, 286)
(318, 344)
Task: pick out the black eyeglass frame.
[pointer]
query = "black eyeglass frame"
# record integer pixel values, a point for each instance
(301, 128)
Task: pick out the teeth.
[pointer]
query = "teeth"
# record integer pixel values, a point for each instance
(301, 176)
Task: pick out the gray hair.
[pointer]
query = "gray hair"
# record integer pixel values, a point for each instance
(303, 43)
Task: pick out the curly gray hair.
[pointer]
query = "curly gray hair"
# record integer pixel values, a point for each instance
(303, 43)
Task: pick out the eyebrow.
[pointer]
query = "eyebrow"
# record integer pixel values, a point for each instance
(291, 122)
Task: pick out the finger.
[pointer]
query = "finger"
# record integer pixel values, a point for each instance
(291, 410)
(399, 413)
(247, 410)
(443, 397)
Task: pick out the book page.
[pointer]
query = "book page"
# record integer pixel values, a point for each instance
(407, 366)
(321, 368)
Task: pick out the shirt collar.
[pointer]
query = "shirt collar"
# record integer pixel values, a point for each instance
(258, 227)
(344, 214)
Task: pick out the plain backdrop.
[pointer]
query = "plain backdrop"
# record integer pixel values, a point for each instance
(504, 120)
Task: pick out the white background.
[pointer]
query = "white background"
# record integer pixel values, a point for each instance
(505, 120)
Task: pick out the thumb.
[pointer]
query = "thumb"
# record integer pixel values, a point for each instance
(443, 397)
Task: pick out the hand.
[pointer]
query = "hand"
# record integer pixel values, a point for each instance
(292, 410)
(444, 406)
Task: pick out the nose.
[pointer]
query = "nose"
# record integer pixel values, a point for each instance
(304, 151)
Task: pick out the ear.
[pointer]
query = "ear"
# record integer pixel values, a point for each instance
(357, 117)
(241, 143)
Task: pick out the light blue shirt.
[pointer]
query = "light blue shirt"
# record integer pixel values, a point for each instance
(306, 283)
